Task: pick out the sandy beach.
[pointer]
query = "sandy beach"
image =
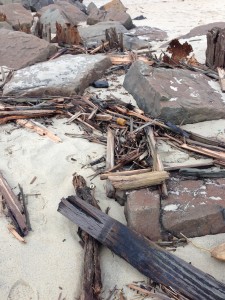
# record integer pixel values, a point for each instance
(50, 263)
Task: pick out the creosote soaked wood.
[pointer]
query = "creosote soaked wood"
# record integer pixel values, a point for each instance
(151, 260)
(92, 284)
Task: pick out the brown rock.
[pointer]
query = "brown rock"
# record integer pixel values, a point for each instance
(17, 16)
(194, 208)
(18, 49)
(142, 211)
(116, 5)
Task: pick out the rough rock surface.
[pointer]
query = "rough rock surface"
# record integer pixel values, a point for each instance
(115, 5)
(5, 25)
(137, 83)
(18, 49)
(62, 12)
(37, 4)
(64, 76)
(174, 95)
(148, 33)
(93, 35)
(77, 3)
(142, 211)
(111, 15)
(16, 15)
(195, 208)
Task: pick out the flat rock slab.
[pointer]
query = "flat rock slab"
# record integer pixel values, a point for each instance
(195, 208)
(178, 96)
(17, 15)
(18, 49)
(63, 76)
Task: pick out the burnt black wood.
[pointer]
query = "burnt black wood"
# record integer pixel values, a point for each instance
(151, 260)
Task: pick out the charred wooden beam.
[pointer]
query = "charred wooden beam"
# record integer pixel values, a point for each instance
(151, 260)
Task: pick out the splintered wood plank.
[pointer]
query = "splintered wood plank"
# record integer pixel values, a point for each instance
(13, 204)
(39, 128)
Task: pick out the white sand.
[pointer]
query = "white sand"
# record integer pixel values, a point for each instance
(51, 261)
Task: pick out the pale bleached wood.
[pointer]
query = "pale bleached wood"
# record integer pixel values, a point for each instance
(110, 162)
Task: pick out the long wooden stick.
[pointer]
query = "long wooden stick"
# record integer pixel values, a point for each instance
(110, 190)
(13, 205)
(214, 154)
(92, 284)
(151, 260)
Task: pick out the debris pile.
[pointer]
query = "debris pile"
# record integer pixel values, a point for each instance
(53, 67)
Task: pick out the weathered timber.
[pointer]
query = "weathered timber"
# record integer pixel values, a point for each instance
(157, 163)
(14, 206)
(215, 48)
(221, 73)
(110, 162)
(92, 284)
(124, 173)
(138, 181)
(214, 154)
(151, 260)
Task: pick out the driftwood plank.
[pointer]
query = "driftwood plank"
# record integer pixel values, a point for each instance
(151, 260)
(13, 205)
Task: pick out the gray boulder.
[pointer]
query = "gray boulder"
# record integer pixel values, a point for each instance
(62, 12)
(18, 49)
(77, 3)
(148, 33)
(93, 35)
(179, 96)
(64, 76)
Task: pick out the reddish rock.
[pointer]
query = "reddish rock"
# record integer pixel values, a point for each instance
(194, 208)
(142, 212)
(17, 16)
(18, 49)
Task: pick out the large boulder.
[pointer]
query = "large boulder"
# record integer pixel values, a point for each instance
(18, 49)
(93, 36)
(111, 15)
(77, 3)
(63, 12)
(195, 208)
(17, 16)
(178, 96)
(66, 75)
